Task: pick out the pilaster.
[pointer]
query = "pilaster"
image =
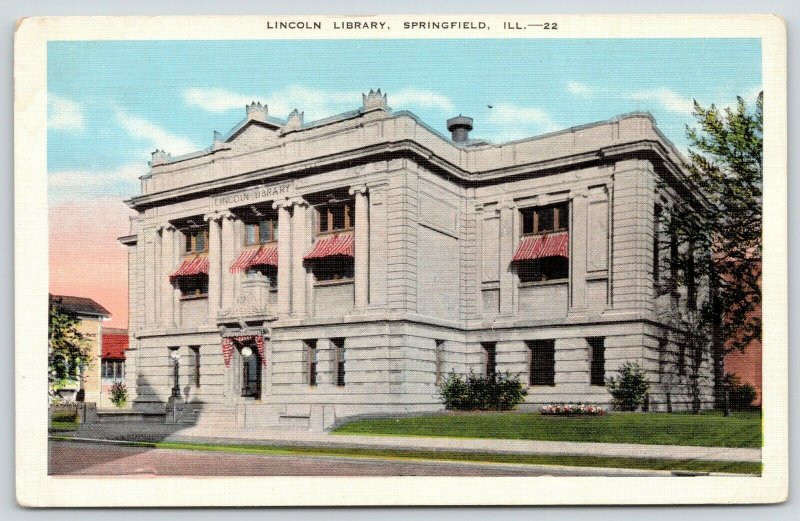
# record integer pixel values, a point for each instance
(168, 262)
(284, 257)
(214, 264)
(578, 252)
(361, 242)
(300, 244)
(229, 246)
(507, 276)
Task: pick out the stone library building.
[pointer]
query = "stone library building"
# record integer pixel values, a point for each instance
(299, 273)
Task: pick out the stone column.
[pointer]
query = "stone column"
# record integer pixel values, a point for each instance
(168, 264)
(361, 238)
(578, 252)
(284, 257)
(228, 248)
(507, 277)
(214, 263)
(300, 244)
(150, 275)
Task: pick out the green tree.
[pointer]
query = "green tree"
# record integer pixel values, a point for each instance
(724, 235)
(68, 348)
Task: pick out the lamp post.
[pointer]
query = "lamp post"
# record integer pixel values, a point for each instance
(176, 390)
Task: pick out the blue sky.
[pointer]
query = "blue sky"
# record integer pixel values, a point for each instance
(112, 103)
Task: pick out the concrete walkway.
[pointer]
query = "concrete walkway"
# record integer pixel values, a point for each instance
(235, 435)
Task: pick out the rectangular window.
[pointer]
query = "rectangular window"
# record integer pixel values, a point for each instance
(268, 272)
(311, 362)
(597, 351)
(489, 358)
(195, 352)
(338, 345)
(545, 219)
(336, 217)
(195, 286)
(333, 268)
(691, 284)
(539, 270)
(438, 359)
(657, 246)
(196, 240)
(543, 362)
(105, 369)
(263, 231)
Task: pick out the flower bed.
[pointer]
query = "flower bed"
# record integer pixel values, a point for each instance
(572, 410)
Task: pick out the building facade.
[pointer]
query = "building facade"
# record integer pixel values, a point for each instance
(297, 273)
(90, 317)
(112, 362)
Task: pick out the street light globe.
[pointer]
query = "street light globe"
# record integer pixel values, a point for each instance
(175, 354)
(247, 352)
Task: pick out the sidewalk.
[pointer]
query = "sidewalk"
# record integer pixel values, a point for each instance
(236, 435)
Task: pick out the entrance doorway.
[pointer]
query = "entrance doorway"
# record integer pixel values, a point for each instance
(251, 373)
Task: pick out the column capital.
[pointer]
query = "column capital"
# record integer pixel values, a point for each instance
(358, 189)
(167, 227)
(213, 216)
(227, 215)
(290, 202)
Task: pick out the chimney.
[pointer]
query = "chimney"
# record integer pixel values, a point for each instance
(460, 127)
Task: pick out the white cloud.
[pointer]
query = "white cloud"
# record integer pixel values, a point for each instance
(156, 136)
(315, 103)
(521, 121)
(63, 113)
(421, 98)
(580, 89)
(215, 100)
(81, 184)
(667, 98)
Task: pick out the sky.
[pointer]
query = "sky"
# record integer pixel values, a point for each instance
(110, 104)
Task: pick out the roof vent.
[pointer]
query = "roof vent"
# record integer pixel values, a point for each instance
(460, 126)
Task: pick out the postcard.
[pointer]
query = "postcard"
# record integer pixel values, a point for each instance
(400, 260)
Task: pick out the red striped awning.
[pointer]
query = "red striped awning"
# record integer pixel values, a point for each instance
(264, 256)
(195, 265)
(541, 246)
(341, 245)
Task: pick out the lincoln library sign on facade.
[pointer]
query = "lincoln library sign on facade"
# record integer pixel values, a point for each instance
(297, 273)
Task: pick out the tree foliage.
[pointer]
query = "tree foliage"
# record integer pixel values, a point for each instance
(629, 388)
(724, 233)
(68, 348)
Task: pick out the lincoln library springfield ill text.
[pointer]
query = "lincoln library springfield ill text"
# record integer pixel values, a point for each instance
(298, 273)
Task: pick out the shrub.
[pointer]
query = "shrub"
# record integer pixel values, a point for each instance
(741, 396)
(119, 394)
(499, 392)
(629, 388)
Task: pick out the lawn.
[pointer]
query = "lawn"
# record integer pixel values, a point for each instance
(63, 422)
(711, 429)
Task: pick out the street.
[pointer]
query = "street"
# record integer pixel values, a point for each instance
(87, 459)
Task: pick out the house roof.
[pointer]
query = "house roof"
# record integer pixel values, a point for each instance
(115, 343)
(78, 305)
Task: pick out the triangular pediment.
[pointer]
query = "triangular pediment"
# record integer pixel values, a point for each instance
(253, 135)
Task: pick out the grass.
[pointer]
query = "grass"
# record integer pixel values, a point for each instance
(63, 422)
(734, 467)
(711, 429)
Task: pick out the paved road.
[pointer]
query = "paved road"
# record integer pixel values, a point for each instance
(71, 458)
